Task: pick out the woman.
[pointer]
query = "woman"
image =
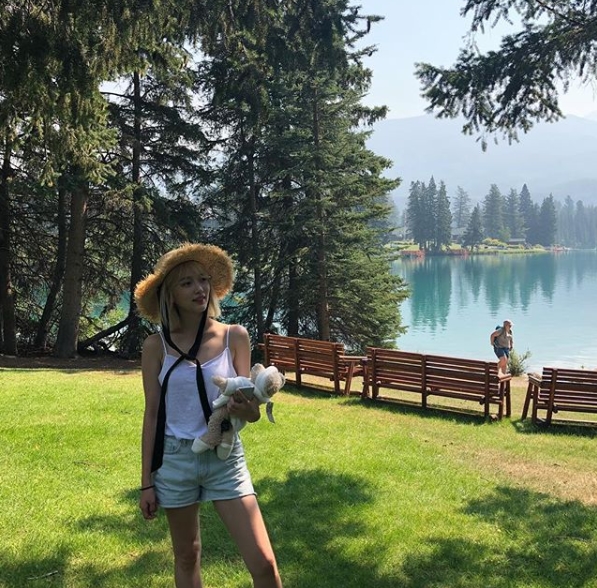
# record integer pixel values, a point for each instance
(182, 295)
(502, 341)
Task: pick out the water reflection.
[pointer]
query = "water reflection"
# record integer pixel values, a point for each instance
(431, 287)
(456, 300)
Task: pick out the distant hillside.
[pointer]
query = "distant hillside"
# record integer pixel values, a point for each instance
(559, 158)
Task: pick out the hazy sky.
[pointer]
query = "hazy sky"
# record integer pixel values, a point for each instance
(430, 31)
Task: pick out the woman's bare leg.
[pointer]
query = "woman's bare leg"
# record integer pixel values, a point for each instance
(186, 545)
(242, 517)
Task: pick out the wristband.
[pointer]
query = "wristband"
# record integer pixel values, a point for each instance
(146, 487)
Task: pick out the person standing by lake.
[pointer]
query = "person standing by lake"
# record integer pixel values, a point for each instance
(502, 342)
(182, 296)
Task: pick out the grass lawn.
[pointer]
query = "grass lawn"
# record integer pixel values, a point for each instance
(354, 494)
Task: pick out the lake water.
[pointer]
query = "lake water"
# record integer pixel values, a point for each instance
(456, 302)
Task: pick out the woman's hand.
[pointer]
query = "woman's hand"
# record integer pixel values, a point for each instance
(244, 408)
(148, 503)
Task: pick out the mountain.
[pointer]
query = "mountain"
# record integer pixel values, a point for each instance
(558, 158)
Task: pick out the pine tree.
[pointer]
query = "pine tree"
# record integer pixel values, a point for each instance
(493, 214)
(515, 86)
(415, 214)
(530, 214)
(461, 208)
(300, 199)
(443, 219)
(429, 208)
(473, 236)
(547, 222)
(566, 224)
(513, 219)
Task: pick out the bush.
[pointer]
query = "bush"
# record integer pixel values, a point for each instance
(517, 362)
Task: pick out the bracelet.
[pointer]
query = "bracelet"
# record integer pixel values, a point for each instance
(146, 487)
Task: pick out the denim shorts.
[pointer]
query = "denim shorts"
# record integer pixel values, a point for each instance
(502, 351)
(187, 477)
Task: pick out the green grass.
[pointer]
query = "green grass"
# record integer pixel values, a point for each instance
(354, 494)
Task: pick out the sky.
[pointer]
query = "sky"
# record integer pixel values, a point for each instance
(431, 31)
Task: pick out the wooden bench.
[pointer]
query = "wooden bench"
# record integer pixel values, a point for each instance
(310, 356)
(467, 379)
(433, 375)
(560, 390)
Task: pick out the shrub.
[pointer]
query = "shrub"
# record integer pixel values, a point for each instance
(517, 362)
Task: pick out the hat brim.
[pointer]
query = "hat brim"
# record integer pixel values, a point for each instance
(213, 260)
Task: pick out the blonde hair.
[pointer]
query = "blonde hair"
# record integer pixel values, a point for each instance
(168, 311)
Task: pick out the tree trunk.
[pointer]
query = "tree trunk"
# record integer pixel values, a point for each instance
(8, 328)
(68, 330)
(41, 337)
(132, 341)
(323, 315)
(256, 254)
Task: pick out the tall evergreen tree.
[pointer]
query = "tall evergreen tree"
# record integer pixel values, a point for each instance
(514, 221)
(493, 213)
(443, 219)
(473, 236)
(566, 230)
(461, 208)
(530, 214)
(297, 177)
(415, 214)
(429, 208)
(547, 222)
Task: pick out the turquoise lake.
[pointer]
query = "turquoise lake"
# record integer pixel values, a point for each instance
(456, 302)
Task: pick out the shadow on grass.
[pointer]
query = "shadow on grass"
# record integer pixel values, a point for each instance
(558, 428)
(130, 530)
(322, 541)
(16, 573)
(458, 416)
(542, 542)
(401, 406)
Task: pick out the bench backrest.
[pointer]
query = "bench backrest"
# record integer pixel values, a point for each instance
(396, 369)
(314, 355)
(570, 388)
(461, 375)
(280, 351)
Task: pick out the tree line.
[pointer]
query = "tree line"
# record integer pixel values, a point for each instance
(433, 222)
(129, 127)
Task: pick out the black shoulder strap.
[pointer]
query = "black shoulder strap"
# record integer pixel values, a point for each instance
(191, 355)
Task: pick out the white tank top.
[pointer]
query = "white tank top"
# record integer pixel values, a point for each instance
(184, 415)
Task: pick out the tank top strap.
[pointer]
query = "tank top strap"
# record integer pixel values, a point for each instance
(227, 337)
(163, 342)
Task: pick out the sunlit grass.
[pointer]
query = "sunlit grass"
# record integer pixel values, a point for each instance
(354, 494)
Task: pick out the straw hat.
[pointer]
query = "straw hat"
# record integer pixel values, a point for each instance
(215, 261)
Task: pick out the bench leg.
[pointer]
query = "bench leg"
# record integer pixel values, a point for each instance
(365, 390)
(527, 401)
(534, 417)
(348, 384)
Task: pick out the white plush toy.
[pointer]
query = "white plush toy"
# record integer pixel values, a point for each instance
(221, 429)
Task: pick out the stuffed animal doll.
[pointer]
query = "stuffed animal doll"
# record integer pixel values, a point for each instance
(221, 429)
